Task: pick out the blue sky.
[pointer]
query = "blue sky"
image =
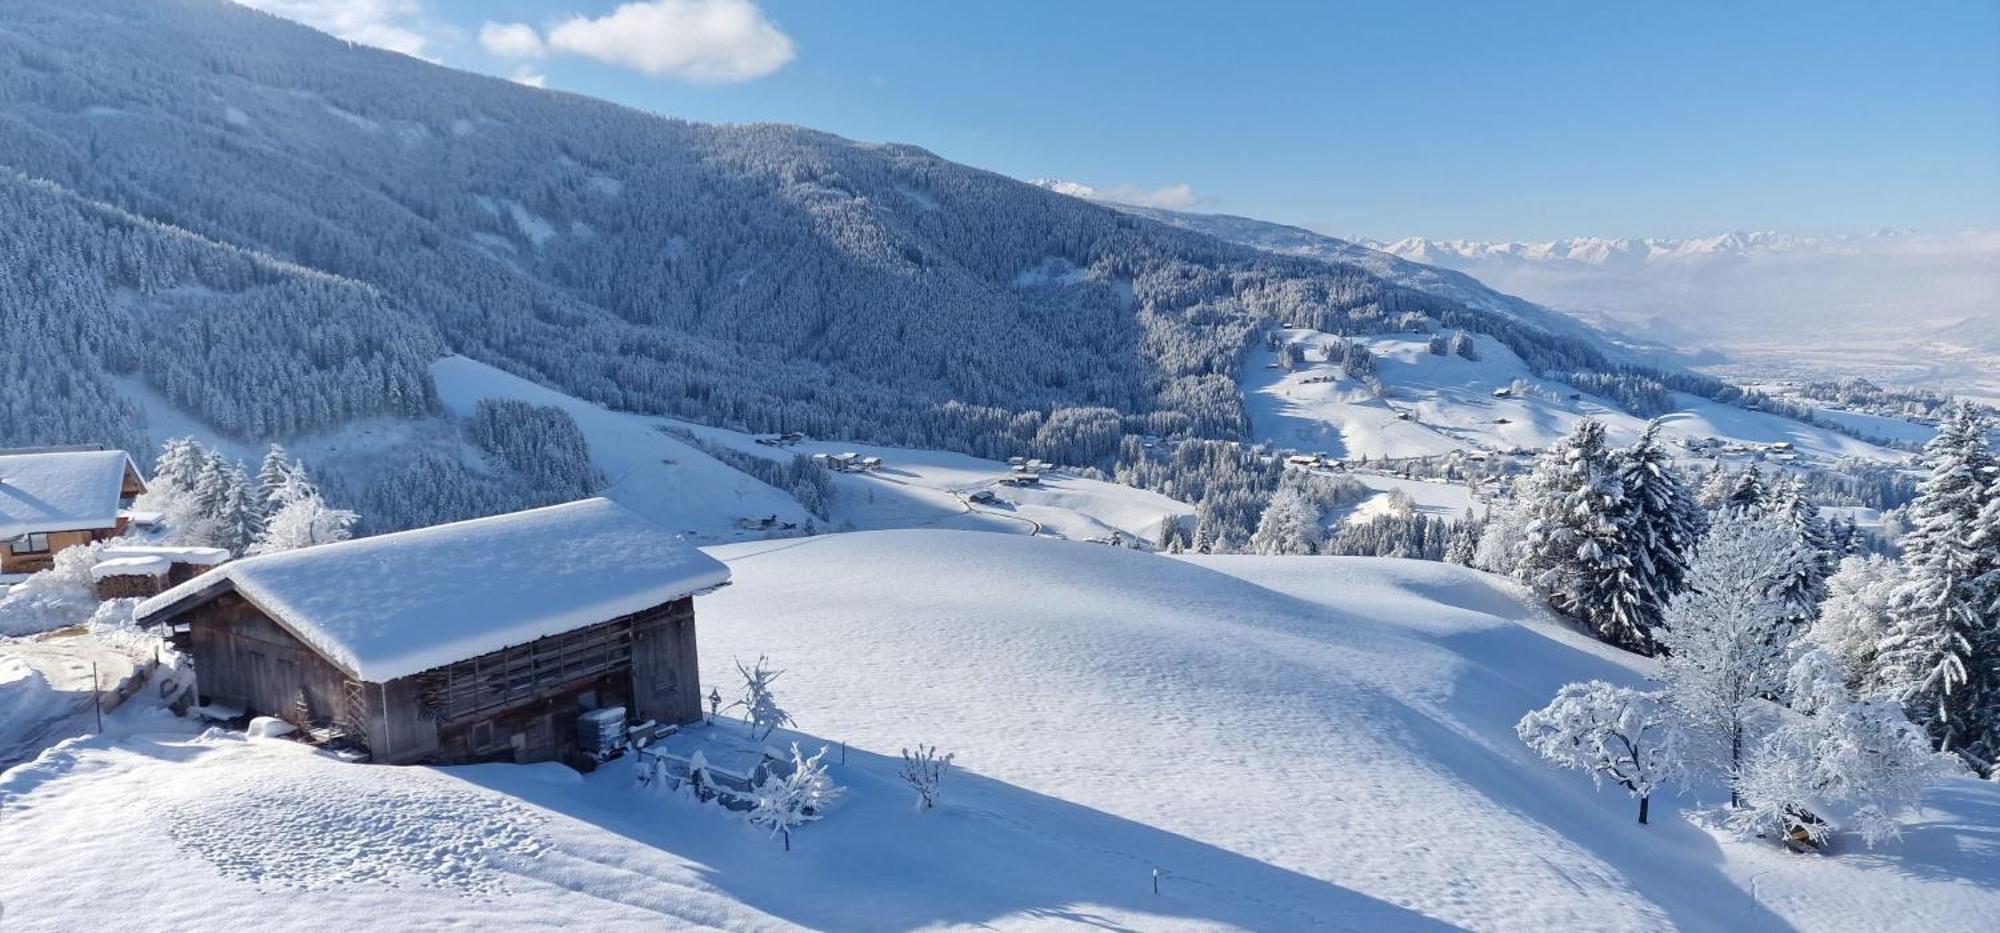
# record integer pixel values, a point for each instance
(1477, 120)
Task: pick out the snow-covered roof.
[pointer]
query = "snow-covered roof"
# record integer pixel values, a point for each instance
(204, 556)
(131, 567)
(397, 604)
(67, 490)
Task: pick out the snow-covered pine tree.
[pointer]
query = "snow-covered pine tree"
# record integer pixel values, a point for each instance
(1813, 560)
(179, 463)
(1463, 546)
(1614, 733)
(1290, 524)
(1724, 639)
(240, 518)
(275, 480)
(1576, 552)
(1943, 657)
(1664, 525)
(1746, 495)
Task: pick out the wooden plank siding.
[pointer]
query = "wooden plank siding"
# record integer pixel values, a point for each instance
(242, 658)
(518, 703)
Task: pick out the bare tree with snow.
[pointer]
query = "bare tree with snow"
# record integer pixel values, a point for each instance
(760, 704)
(924, 770)
(305, 521)
(1613, 733)
(1725, 638)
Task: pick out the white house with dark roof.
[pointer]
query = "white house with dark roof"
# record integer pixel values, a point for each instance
(58, 498)
(475, 641)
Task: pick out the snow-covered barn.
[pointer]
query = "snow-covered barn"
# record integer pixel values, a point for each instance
(54, 498)
(475, 641)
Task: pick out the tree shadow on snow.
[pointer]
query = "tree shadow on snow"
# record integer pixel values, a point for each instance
(992, 850)
(1957, 840)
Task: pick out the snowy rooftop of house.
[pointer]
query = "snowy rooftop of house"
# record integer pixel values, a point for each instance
(397, 604)
(68, 490)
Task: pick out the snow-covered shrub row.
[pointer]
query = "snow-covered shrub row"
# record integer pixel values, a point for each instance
(1422, 537)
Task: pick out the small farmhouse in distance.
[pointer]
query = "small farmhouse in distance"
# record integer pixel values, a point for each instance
(55, 498)
(481, 640)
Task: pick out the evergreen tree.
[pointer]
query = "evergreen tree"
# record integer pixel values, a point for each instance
(1576, 551)
(1812, 561)
(274, 480)
(1290, 524)
(1661, 532)
(1746, 495)
(1943, 657)
(239, 518)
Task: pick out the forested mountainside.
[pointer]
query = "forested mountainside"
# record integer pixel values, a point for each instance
(763, 277)
(251, 345)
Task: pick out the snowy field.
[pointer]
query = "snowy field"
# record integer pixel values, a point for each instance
(1450, 405)
(932, 489)
(1292, 743)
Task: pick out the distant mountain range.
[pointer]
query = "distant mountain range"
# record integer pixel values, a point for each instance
(1624, 251)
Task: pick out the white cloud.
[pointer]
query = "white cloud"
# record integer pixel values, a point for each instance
(713, 41)
(512, 40)
(1173, 197)
(529, 76)
(396, 25)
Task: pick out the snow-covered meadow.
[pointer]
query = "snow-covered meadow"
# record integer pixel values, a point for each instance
(1290, 742)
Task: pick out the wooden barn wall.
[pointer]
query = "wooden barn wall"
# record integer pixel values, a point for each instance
(400, 729)
(242, 657)
(666, 684)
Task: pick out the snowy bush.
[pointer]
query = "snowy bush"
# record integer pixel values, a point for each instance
(760, 705)
(1836, 763)
(1613, 733)
(304, 522)
(784, 803)
(59, 597)
(924, 771)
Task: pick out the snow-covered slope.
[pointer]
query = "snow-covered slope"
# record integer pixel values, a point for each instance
(1291, 743)
(1434, 404)
(933, 489)
(652, 473)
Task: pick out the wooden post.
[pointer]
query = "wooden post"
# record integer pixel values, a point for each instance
(96, 700)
